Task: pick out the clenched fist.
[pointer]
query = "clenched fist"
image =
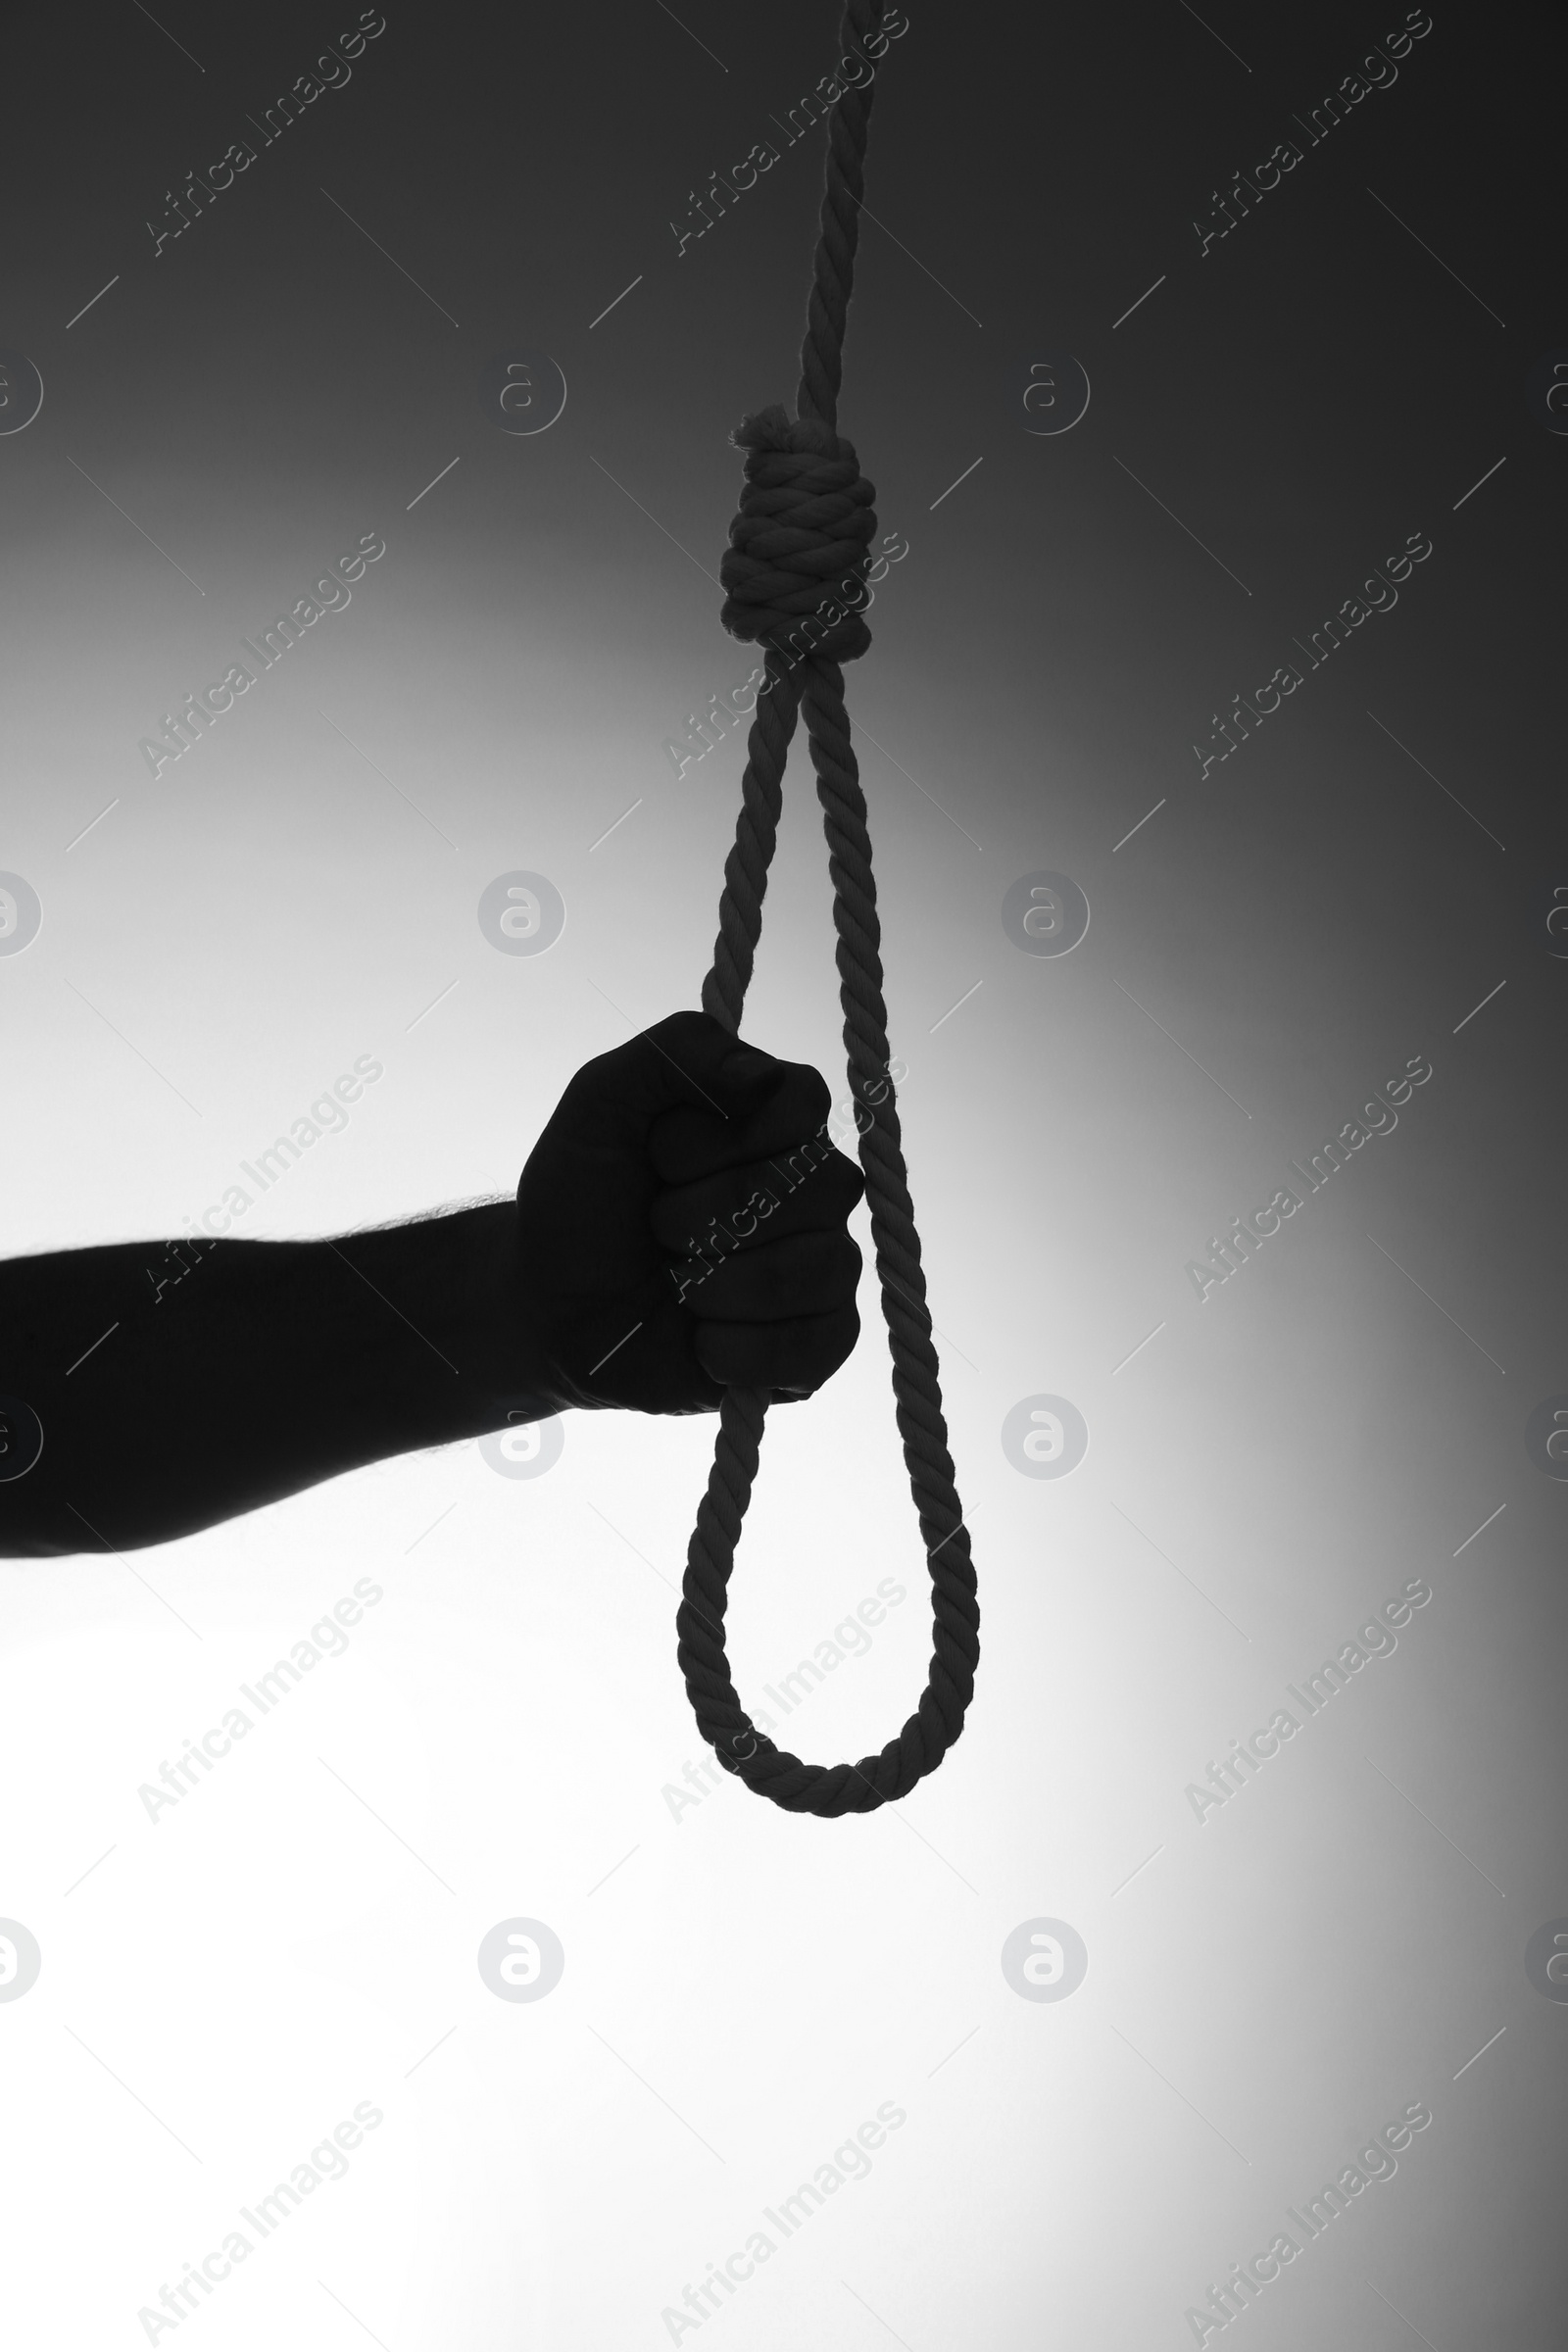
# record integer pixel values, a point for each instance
(682, 1228)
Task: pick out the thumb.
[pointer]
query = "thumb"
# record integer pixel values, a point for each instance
(688, 1061)
(699, 1063)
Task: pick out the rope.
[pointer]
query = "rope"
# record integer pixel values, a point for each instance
(806, 522)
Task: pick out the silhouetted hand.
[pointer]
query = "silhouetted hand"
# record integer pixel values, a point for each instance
(682, 1228)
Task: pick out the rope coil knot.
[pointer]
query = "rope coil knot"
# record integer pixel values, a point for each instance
(800, 547)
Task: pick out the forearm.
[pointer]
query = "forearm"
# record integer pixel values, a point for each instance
(263, 1369)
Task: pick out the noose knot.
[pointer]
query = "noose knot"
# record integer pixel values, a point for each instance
(796, 578)
(798, 549)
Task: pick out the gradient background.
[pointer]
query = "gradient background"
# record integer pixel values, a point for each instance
(219, 1989)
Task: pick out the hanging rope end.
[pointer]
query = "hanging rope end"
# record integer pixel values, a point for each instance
(764, 428)
(774, 428)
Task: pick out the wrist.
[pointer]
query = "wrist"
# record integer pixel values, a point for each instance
(452, 1358)
(502, 1366)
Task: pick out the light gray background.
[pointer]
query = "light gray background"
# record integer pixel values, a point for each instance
(741, 1989)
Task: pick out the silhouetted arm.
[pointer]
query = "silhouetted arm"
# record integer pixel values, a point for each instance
(258, 1369)
(680, 1226)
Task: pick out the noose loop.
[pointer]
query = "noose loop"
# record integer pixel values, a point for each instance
(801, 537)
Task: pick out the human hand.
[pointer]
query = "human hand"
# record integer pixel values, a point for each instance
(682, 1228)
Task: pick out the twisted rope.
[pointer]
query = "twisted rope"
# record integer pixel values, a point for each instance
(806, 522)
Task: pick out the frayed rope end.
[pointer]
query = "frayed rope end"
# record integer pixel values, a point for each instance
(773, 428)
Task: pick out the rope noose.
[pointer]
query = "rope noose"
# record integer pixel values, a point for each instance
(806, 523)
